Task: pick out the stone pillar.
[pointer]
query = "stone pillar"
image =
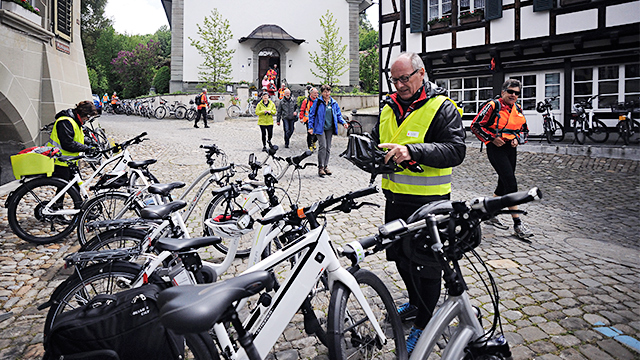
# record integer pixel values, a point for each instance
(243, 95)
(354, 42)
(177, 46)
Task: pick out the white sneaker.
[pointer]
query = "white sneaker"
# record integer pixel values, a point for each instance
(522, 231)
(496, 222)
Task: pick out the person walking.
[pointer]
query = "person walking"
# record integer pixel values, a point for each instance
(287, 112)
(114, 101)
(324, 117)
(203, 106)
(304, 116)
(417, 123)
(105, 101)
(501, 125)
(265, 111)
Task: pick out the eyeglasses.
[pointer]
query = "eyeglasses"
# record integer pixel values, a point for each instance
(512, 92)
(404, 78)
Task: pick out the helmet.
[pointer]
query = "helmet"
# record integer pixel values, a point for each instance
(364, 153)
(540, 107)
(417, 246)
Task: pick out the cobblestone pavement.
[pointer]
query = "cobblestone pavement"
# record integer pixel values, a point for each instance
(579, 275)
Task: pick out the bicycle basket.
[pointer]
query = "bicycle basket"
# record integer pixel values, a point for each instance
(31, 164)
(363, 152)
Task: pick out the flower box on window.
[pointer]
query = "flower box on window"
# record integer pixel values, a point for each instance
(471, 17)
(19, 10)
(438, 23)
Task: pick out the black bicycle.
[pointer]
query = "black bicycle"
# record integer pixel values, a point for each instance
(628, 128)
(587, 125)
(553, 130)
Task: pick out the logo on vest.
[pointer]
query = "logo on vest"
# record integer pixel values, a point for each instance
(413, 134)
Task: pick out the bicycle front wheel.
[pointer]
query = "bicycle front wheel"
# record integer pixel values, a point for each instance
(598, 132)
(181, 112)
(579, 131)
(225, 213)
(26, 205)
(191, 114)
(233, 111)
(105, 206)
(634, 137)
(554, 131)
(350, 333)
(160, 113)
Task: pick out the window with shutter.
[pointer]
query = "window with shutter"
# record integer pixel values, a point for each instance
(417, 16)
(62, 18)
(493, 9)
(542, 5)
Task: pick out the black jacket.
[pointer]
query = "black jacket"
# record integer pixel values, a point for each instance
(443, 145)
(65, 132)
(286, 108)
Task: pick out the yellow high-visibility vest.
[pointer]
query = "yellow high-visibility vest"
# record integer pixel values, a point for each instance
(432, 181)
(78, 136)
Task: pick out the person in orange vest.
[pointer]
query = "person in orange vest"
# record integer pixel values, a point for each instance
(304, 116)
(501, 125)
(114, 101)
(203, 106)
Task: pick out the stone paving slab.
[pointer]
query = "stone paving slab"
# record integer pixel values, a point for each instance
(580, 272)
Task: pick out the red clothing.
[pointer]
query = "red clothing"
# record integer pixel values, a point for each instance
(204, 101)
(509, 124)
(271, 89)
(271, 74)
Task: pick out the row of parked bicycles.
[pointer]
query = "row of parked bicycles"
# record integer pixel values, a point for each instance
(587, 125)
(139, 288)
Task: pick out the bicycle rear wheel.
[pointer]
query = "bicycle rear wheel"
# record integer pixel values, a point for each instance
(350, 333)
(191, 114)
(598, 132)
(25, 210)
(160, 113)
(233, 111)
(579, 131)
(554, 131)
(106, 206)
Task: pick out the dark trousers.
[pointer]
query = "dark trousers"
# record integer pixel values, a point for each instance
(289, 125)
(267, 133)
(311, 138)
(201, 112)
(423, 286)
(503, 160)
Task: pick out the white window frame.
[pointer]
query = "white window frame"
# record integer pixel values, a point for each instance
(622, 94)
(440, 14)
(473, 5)
(458, 94)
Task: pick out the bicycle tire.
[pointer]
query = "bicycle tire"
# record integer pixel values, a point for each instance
(200, 347)
(343, 308)
(39, 191)
(252, 110)
(115, 239)
(105, 206)
(181, 112)
(554, 131)
(160, 113)
(634, 138)
(598, 132)
(218, 208)
(579, 131)
(79, 289)
(191, 114)
(233, 111)
(354, 128)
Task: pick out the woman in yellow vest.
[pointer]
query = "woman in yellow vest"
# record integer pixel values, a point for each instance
(265, 111)
(418, 124)
(501, 125)
(68, 136)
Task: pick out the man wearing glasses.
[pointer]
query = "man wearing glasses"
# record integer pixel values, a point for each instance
(501, 125)
(417, 124)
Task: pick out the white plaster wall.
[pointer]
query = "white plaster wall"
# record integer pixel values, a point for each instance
(438, 42)
(387, 28)
(414, 42)
(534, 24)
(622, 14)
(292, 16)
(578, 21)
(503, 29)
(474, 37)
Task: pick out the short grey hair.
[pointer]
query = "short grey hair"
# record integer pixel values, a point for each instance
(511, 83)
(416, 61)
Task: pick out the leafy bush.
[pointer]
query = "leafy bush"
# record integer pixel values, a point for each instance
(161, 80)
(300, 100)
(217, 105)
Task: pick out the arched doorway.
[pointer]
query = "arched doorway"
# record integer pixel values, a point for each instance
(267, 57)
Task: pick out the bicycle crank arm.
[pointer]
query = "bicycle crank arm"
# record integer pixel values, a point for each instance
(50, 212)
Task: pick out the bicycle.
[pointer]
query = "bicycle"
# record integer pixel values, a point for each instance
(361, 321)
(42, 201)
(587, 125)
(177, 109)
(628, 128)
(450, 229)
(553, 130)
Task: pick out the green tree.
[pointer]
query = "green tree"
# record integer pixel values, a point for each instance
(369, 70)
(135, 69)
(161, 80)
(98, 80)
(214, 34)
(331, 63)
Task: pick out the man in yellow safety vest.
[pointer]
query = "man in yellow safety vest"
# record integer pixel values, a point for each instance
(419, 125)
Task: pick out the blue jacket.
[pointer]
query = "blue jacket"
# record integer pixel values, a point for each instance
(317, 113)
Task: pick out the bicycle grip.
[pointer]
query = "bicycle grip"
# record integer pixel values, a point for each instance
(495, 204)
(363, 192)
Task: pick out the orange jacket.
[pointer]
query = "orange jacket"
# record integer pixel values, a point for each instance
(304, 109)
(204, 101)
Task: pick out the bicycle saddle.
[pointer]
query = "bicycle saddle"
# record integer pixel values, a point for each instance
(196, 308)
(161, 212)
(139, 164)
(165, 189)
(171, 244)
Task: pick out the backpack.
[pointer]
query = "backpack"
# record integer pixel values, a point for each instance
(198, 99)
(494, 115)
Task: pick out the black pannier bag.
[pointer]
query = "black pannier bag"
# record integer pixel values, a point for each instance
(125, 323)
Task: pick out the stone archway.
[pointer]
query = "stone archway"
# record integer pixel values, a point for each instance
(277, 46)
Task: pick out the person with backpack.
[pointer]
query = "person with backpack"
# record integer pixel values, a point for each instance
(287, 112)
(501, 126)
(324, 117)
(203, 105)
(304, 116)
(418, 125)
(67, 135)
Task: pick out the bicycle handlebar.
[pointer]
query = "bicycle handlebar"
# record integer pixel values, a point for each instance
(117, 147)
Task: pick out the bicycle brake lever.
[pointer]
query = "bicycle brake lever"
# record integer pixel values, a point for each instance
(366, 203)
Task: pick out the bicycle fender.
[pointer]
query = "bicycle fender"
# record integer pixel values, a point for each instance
(344, 276)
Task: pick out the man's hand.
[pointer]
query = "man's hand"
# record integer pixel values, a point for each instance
(398, 153)
(346, 126)
(310, 131)
(497, 141)
(514, 142)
